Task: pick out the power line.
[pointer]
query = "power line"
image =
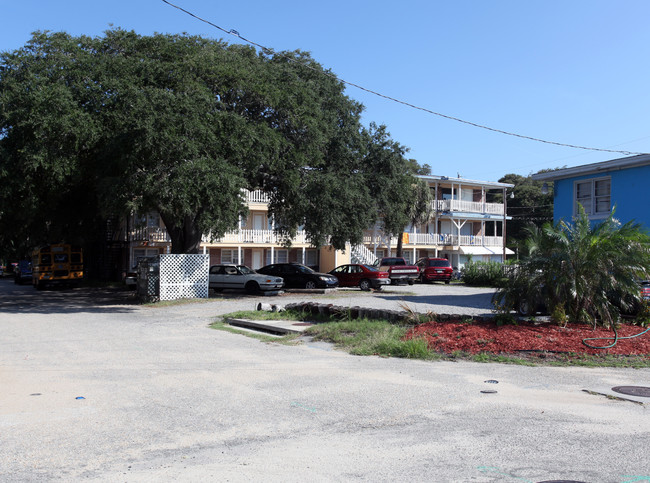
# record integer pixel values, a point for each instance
(408, 104)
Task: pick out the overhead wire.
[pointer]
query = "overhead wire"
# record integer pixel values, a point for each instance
(393, 99)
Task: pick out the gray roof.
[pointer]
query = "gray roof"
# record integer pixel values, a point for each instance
(488, 184)
(595, 168)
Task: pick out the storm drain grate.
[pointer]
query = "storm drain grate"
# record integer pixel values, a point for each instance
(638, 391)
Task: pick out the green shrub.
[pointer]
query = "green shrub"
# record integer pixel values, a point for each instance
(484, 274)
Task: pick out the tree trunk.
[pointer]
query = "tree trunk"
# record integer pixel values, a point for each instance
(400, 243)
(186, 238)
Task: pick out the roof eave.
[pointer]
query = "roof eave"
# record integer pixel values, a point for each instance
(594, 168)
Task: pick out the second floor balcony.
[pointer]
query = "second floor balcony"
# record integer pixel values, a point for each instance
(264, 237)
(152, 234)
(469, 207)
(439, 240)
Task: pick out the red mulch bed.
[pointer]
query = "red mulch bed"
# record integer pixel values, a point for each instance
(487, 336)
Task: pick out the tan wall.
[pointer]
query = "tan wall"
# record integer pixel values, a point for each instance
(330, 258)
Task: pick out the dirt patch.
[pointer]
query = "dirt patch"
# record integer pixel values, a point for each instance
(488, 337)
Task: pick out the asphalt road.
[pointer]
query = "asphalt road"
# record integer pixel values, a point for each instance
(165, 398)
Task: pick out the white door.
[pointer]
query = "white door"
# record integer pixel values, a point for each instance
(258, 221)
(257, 259)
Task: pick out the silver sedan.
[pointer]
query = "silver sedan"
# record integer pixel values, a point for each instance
(242, 277)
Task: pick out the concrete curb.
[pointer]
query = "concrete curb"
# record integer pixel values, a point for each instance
(278, 327)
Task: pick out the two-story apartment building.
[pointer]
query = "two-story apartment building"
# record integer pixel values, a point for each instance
(464, 223)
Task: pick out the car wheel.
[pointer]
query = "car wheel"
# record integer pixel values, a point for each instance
(524, 308)
(252, 287)
(447, 282)
(364, 284)
(411, 281)
(310, 285)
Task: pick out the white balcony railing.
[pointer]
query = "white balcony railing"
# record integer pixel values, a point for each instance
(255, 236)
(150, 233)
(469, 206)
(256, 196)
(440, 240)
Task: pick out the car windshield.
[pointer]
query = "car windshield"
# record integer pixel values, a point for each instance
(303, 269)
(372, 269)
(439, 263)
(245, 270)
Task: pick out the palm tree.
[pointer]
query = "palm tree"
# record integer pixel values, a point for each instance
(590, 272)
(420, 210)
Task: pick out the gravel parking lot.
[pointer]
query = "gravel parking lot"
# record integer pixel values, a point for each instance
(96, 388)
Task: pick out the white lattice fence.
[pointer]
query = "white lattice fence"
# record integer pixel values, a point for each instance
(184, 276)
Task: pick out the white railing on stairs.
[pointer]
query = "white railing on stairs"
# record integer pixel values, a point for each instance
(361, 254)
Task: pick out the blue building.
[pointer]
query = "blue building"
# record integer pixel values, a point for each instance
(622, 183)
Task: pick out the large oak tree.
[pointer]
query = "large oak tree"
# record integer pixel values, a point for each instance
(180, 125)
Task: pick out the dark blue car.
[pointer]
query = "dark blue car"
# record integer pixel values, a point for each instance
(23, 272)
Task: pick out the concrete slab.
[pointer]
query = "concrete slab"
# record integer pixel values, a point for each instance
(607, 391)
(271, 326)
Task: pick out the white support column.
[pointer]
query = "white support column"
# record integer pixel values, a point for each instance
(483, 201)
(272, 254)
(415, 237)
(374, 239)
(240, 261)
(303, 255)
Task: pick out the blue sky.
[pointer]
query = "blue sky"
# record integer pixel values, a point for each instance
(567, 71)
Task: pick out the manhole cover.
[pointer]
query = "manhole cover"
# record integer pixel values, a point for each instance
(561, 481)
(638, 391)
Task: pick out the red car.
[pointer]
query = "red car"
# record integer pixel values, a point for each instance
(363, 276)
(432, 269)
(645, 290)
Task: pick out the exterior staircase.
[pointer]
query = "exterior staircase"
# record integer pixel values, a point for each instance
(361, 254)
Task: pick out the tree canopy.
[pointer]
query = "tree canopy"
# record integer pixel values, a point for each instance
(528, 207)
(180, 124)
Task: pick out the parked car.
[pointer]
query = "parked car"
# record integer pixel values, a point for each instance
(363, 276)
(300, 276)
(242, 277)
(432, 269)
(23, 272)
(398, 270)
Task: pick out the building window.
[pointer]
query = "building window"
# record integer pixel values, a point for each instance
(141, 253)
(281, 256)
(311, 258)
(595, 197)
(229, 256)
